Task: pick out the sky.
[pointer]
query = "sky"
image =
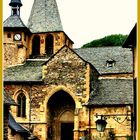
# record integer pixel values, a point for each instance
(87, 20)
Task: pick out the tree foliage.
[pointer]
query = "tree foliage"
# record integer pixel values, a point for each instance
(111, 40)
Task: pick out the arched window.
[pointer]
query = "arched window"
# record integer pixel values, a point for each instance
(36, 45)
(21, 110)
(49, 45)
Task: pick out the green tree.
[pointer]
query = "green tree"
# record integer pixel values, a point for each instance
(111, 40)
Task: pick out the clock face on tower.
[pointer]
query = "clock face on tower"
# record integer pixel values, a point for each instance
(17, 37)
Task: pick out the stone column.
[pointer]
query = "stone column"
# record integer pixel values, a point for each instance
(42, 44)
(76, 124)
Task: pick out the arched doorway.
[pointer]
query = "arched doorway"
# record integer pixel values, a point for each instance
(49, 45)
(61, 108)
(36, 45)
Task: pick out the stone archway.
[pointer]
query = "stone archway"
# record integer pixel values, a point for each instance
(60, 115)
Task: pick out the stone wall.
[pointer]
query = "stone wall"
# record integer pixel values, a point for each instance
(67, 69)
(67, 72)
(94, 75)
(119, 125)
(10, 55)
(84, 119)
(14, 51)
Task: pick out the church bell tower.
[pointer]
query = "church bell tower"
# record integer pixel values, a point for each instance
(47, 32)
(15, 37)
(43, 36)
(15, 7)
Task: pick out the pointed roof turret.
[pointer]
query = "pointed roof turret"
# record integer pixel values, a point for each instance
(14, 21)
(44, 17)
(15, 7)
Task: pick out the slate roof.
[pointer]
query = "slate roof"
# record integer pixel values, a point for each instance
(113, 92)
(13, 21)
(98, 56)
(16, 126)
(30, 71)
(7, 99)
(44, 17)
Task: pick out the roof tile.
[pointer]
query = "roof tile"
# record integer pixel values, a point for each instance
(44, 17)
(112, 92)
(13, 21)
(98, 56)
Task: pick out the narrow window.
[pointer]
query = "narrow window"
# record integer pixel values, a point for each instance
(49, 45)
(9, 35)
(24, 37)
(21, 100)
(14, 11)
(36, 45)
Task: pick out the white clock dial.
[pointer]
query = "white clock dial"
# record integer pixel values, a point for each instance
(17, 37)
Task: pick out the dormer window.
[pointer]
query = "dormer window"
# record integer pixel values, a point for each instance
(110, 63)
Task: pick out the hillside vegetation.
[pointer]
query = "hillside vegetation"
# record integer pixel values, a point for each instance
(111, 40)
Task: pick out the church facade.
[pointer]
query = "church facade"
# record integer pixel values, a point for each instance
(63, 92)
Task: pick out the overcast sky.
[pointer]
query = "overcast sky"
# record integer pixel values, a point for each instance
(86, 20)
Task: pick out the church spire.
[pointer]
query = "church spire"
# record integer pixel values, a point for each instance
(44, 17)
(15, 7)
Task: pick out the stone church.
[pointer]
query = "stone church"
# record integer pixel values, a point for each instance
(63, 93)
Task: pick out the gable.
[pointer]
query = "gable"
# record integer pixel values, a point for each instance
(64, 67)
